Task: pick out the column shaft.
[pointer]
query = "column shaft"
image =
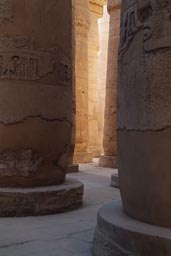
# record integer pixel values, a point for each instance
(36, 108)
(110, 141)
(144, 112)
(96, 11)
(82, 21)
(102, 72)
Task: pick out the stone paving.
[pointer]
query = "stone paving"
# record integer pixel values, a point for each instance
(68, 234)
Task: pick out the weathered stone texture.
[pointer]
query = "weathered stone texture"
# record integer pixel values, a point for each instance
(35, 107)
(96, 11)
(73, 168)
(110, 144)
(118, 234)
(35, 85)
(6, 10)
(144, 113)
(141, 226)
(110, 138)
(108, 161)
(82, 22)
(41, 201)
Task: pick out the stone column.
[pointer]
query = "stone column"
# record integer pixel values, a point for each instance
(36, 108)
(72, 167)
(144, 136)
(82, 21)
(109, 159)
(96, 11)
(102, 72)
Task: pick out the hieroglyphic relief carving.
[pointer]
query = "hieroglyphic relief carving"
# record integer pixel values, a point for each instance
(6, 10)
(153, 16)
(129, 26)
(22, 163)
(148, 52)
(20, 60)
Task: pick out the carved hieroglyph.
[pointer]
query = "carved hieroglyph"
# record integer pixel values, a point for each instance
(21, 61)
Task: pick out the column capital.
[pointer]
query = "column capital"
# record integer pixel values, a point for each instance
(112, 5)
(96, 6)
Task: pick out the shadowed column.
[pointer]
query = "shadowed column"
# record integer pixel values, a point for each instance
(36, 107)
(141, 224)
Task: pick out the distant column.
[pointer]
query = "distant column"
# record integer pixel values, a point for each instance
(82, 21)
(96, 12)
(102, 72)
(109, 159)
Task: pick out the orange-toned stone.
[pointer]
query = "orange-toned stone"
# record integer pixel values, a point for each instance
(109, 140)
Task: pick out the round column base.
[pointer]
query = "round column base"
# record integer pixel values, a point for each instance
(83, 158)
(115, 180)
(118, 234)
(108, 161)
(41, 200)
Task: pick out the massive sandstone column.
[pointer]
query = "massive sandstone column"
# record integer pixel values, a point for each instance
(35, 107)
(72, 167)
(144, 136)
(109, 159)
(102, 71)
(82, 21)
(144, 118)
(96, 11)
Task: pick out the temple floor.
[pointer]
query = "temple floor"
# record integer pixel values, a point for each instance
(67, 234)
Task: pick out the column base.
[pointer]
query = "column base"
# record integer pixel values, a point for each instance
(95, 153)
(83, 158)
(118, 234)
(108, 161)
(73, 168)
(115, 180)
(15, 202)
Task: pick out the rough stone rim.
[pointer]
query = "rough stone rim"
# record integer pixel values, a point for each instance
(108, 161)
(118, 234)
(21, 202)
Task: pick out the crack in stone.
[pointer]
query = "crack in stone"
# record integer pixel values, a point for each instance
(68, 236)
(16, 244)
(37, 116)
(143, 130)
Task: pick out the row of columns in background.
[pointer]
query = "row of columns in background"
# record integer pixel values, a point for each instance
(86, 79)
(109, 158)
(95, 76)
